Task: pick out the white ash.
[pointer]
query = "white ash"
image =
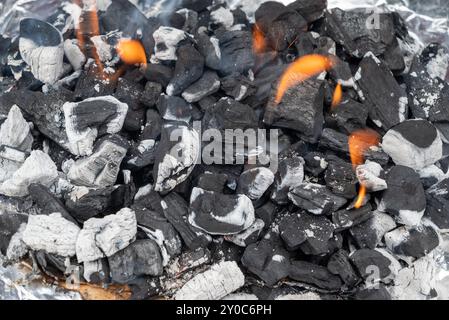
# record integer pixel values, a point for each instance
(381, 223)
(91, 268)
(239, 238)
(168, 39)
(438, 66)
(77, 192)
(394, 267)
(74, 54)
(263, 180)
(433, 172)
(15, 131)
(104, 50)
(143, 191)
(202, 88)
(52, 233)
(17, 249)
(222, 16)
(37, 168)
(214, 284)
(293, 178)
(240, 297)
(11, 160)
(146, 145)
(368, 175)
(106, 236)
(299, 296)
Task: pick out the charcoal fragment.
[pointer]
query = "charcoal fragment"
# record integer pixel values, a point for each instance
(437, 209)
(315, 275)
(349, 116)
(254, 182)
(311, 10)
(151, 93)
(174, 109)
(339, 264)
(247, 236)
(208, 84)
(290, 174)
(236, 51)
(370, 233)
(11, 223)
(412, 241)
(365, 260)
(340, 178)
(344, 219)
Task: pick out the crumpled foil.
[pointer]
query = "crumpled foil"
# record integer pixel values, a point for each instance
(427, 20)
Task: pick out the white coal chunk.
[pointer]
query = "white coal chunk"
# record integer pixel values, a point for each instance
(217, 213)
(92, 269)
(166, 41)
(254, 182)
(101, 168)
(106, 236)
(17, 249)
(222, 17)
(413, 143)
(52, 233)
(85, 120)
(369, 174)
(214, 284)
(41, 47)
(370, 233)
(249, 235)
(11, 160)
(208, 84)
(37, 168)
(290, 174)
(103, 48)
(74, 54)
(15, 131)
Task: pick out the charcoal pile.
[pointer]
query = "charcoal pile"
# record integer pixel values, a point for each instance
(108, 176)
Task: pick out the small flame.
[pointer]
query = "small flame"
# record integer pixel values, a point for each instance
(359, 142)
(302, 69)
(131, 52)
(259, 42)
(338, 94)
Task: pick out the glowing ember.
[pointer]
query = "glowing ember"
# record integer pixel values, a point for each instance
(302, 69)
(259, 43)
(338, 94)
(359, 142)
(131, 52)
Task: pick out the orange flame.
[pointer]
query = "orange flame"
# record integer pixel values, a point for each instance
(338, 95)
(259, 43)
(302, 69)
(131, 52)
(359, 142)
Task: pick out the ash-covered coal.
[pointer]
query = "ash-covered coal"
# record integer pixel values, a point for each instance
(107, 165)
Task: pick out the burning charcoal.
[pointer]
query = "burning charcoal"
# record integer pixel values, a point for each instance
(189, 68)
(150, 95)
(315, 163)
(212, 181)
(52, 233)
(93, 83)
(96, 271)
(130, 93)
(349, 116)
(209, 47)
(370, 233)
(301, 110)
(47, 202)
(174, 108)
(249, 235)
(290, 174)
(167, 40)
(315, 275)
(41, 47)
(142, 154)
(159, 73)
(438, 204)
(412, 241)
(413, 143)
(341, 73)
(10, 223)
(311, 10)
(152, 129)
(217, 282)
(170, 168)
(208, 84)
(340, 265)
(160, 230)
(236, 51)
(365, 260)
(37, 168)
(315, 198)
(379, 293)
(340, 178)
(221, 17)
(268, 260)
(355, 32)
(238, 86)
(74, 54)
(306, 232)
(106, 236)
(141, 257)
(190, 260)
(345, 219)
(217, 213)
(404, 198)
(369, 174)
(176, 210)
(15, 131)
(334, 140)
(254, 182)
(85, 120)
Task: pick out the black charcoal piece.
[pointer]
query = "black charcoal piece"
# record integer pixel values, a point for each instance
(340, 178)
(10, 223)
(174, 109)
(414, 242)
(151, 93)
(405, 197)
(159, 73)
(413, 143)
(356, 32)
(172, 169)
(301, 110)
(248, 236)
(210, 49)
(130, 92)
(51, 264)
(238, 86)
(370, 233)
(152, 128)
(348, 116)
(267, 213)
(222, 214)
(438, 204)
(316, 199)
(268, 260)
(380, 293)
(387, 99)
(315, 163)
(315, 275)
(394, 57)
(340, 265)
(366, 260)
(208, 84)
(311, 10)
(334, 140)
(212, 181)
(141, 257)
(345, 219)
(189, 68)
(236, 51)
(254, 182)
(93, 83)
(435, 58)
(290, 174)
(141, 155)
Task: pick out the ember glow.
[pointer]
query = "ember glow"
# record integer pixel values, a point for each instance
(302, 69)
(359, 142)
(131, 52)
(338, 95)
(259, 43)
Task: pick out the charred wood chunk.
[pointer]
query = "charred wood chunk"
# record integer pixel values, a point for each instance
(254, 182)
(339, 264)
(345, 219)
(414, 242)
(174, 109)
(248, 236)
(366, 261)
(212, 181)
(340, 178)
(311, 10)
(159, 73)
(11, 223)
(349, 116)
(15, 132)
(236, 51)
(150, 95)
(370, 233)
(290, 174)
(93, 83)
(438, 204)
(208, 84)
(315, 275)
